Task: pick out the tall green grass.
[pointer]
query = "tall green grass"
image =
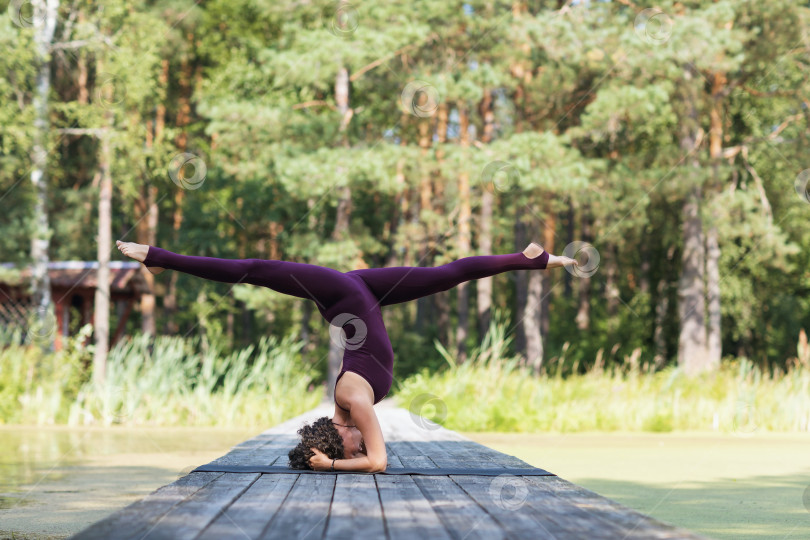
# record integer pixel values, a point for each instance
(161, 381)
(492, 391)
(175, 381)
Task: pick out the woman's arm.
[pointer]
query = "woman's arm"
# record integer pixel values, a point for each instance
(376, 459)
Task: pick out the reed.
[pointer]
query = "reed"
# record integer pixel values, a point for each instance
(158, 381)
(493, 391)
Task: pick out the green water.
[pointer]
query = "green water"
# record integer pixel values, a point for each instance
(56, 481)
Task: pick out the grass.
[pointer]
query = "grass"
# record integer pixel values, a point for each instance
(494, 392)
(175, 381)
(161, 381)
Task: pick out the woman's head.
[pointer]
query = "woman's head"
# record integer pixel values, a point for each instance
(334, 440)
(320, 434)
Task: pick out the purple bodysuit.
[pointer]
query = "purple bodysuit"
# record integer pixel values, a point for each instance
(350, 300)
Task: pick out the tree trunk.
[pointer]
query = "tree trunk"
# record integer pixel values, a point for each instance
(661, 309)
(583, 318)
(570, 219)
(146, 232)
(691, 307)
(483, 286)
(532, 322)
(533, 300)
(549, 228)
(424, 304)
(442, 299)
(147, 228)
(463, 289)
(714, 346)
(521, 285)
(182, 120)
(44, 22)
(101, 314)
(310, 339)
(691, 302)
(342, 219)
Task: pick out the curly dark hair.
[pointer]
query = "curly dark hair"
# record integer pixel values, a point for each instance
(321, 434)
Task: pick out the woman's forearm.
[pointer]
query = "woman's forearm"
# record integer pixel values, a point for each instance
(364, 464)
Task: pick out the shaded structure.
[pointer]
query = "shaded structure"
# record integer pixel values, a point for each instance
(73, 288)
(447, 504)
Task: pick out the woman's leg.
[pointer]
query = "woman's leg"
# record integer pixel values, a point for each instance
(324, 285)
(404, 283)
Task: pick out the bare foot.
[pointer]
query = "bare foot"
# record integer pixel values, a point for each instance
(535, 250)
(137, 252)
(555, 261)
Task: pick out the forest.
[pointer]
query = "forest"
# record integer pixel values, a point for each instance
(663, 146)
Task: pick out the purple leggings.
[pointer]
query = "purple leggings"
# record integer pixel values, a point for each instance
(350, 300)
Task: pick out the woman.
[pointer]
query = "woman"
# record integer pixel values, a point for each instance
(352, 439)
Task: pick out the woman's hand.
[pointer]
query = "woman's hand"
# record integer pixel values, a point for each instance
(320, 461)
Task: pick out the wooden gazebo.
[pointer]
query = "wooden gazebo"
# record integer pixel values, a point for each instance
(73, 284)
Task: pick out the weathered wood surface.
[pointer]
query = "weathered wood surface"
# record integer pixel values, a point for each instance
(243, 506)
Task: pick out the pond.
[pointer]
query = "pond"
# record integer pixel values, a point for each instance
(55, 481)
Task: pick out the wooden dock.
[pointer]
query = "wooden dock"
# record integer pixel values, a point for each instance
(483, 505)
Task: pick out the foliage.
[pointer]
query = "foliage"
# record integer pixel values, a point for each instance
(494, 392)
(590, 109)
(162, 381)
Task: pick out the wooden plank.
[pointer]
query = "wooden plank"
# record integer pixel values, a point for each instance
(188, 518)
(408, 515)
(504, 510)
(250, 514)
(393, 460)
(461, 515)
(446, 448)
(597, 508)
(269, 451)
(483, 456)
(305, 510)
(137, 519)
(356, 511)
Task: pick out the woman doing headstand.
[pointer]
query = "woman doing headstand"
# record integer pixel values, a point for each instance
(352, 439)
